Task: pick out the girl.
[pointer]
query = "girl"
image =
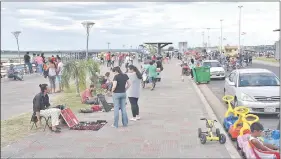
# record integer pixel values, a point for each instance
(192, 66)
(52, 73)
(133, 92)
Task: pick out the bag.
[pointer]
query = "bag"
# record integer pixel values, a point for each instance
(96, 108)
(61, 107)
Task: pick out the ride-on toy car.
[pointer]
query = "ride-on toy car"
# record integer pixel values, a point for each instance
(209, 135)
(230, 116)
(242, 125)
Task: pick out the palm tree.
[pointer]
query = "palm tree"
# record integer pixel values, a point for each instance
(78, 71)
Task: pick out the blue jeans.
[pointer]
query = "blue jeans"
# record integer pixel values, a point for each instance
(40, 68)
(119, 102)
(29, 65)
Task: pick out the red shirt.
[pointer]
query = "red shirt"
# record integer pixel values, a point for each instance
(86, 95)
(108, 56)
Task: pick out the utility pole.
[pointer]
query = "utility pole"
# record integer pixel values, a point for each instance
(221, 39)
(239, 30)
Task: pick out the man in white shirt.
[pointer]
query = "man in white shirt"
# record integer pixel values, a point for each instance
(59, 73)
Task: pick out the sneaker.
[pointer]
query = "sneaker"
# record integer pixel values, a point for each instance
(113, 126)
(133, 119)
(138, 118)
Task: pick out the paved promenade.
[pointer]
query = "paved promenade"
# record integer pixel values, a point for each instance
(17, 96)
(168, 129)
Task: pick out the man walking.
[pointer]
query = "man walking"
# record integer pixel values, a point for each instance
(27, 62)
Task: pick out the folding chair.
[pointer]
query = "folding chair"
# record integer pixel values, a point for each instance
(107, 106)
(33, 120)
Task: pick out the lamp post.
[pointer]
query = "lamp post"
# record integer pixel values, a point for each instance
(108, 46)
(221, 39)
(16, 34)
(87, 25)
(203, 38)
(208, 44)
(239, 30)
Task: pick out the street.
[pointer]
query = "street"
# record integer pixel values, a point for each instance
(216, 86)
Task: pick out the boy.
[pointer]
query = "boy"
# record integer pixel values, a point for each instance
(256, 132)
(152, 73)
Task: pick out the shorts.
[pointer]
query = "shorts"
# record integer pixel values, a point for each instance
(59, 78)
(151, 79)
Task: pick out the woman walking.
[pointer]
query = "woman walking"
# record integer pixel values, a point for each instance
(120, 85)
(52, 73)
(133, 92)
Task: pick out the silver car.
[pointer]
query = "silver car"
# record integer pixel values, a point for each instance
(257, 89)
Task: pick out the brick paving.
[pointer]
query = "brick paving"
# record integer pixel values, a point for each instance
(168, 129)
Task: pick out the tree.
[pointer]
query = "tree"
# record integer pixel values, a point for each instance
(78, 71)
(151, 48)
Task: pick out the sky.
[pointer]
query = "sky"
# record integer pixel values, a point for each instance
(57, 25)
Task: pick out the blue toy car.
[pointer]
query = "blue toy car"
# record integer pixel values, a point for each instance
(272, 137)
(228, 121)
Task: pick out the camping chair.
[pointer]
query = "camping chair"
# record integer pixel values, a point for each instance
(33, 120)
(107, 106)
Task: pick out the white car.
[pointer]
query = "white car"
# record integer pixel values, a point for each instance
(216, 69)
(257, 89)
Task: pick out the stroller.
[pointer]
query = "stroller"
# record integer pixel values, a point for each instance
(185, 69)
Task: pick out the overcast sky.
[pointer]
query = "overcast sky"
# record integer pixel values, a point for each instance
(52, 26)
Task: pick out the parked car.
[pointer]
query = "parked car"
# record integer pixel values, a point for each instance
(216, 69)
(257, 89)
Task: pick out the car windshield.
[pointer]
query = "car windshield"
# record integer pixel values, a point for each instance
(211, 64)
(258, 79)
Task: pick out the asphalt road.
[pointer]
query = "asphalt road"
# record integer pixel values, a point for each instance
(269, 121)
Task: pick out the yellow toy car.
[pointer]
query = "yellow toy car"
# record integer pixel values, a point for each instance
(210, 135)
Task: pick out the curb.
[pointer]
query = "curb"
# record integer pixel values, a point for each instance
(228, 145)
(277, 64)
(25, 77)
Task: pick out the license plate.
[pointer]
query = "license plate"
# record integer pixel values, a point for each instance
(269, 109)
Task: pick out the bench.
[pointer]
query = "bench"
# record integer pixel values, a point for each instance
(33, 120)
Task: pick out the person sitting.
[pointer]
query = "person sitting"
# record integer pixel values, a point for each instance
(107, 82)
(41, 106)
(87, 97)
(12, 73)
(256, 132)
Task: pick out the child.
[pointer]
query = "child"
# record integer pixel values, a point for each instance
(256, 132)
(192, 66)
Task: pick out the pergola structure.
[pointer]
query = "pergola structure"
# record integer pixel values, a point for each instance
(159, 45)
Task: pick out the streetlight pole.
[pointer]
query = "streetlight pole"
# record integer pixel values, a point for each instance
(203, 38)
(87, 25)
(239, 37)
(221, 38)
(208, 45)
(108, 45)
(16, 34)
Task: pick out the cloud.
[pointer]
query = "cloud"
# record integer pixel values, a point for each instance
(136, 22)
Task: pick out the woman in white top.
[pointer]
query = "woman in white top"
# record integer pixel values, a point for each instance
(52, 75)
(133, 92)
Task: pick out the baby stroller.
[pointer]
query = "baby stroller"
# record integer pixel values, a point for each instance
(185, 69)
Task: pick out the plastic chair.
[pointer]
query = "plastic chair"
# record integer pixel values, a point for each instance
(264, 154)
(33, 120)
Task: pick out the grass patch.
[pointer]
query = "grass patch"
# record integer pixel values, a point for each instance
(19, 127)
(267, 59)
(15, 128)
